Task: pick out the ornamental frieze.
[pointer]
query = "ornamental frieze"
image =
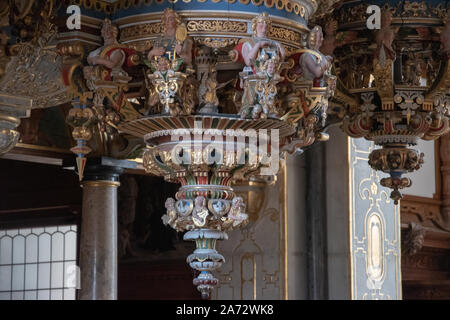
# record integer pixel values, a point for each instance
(217, 42)
(140, 30)
(284, 34)
(217, 26)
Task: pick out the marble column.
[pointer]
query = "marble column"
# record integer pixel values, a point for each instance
(98, 234)
(316, 221)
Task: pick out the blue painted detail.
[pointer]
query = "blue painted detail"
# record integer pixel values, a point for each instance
(194, 5)
(208, 5)
(395, 174)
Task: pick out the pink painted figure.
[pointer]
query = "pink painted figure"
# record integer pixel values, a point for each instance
(115, 57)
(258, 49)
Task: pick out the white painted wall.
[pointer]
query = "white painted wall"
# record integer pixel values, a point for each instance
(424, 180)
(337, 190)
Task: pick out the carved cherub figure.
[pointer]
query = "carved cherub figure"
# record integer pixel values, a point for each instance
(200, 211)
(267, 90)
(237, 212)
(171, 216)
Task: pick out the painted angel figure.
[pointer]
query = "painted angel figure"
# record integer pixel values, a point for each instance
(219, 208)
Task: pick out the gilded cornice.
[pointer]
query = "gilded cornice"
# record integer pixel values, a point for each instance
(208, 15)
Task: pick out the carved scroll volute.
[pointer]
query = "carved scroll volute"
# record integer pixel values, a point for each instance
(445, 172)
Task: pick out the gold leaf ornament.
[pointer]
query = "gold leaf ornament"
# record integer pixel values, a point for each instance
(181, 33)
